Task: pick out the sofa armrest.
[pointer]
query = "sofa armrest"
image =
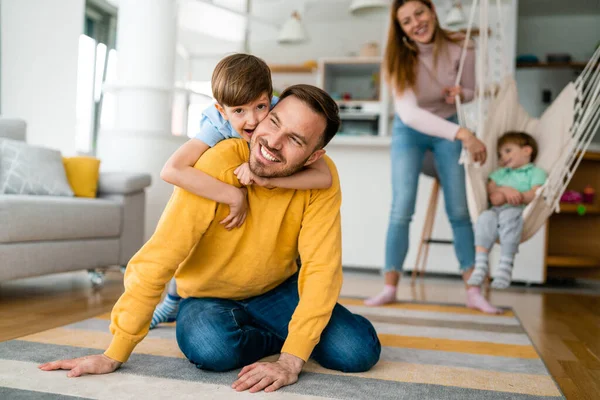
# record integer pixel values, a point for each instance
(122, 183)
(127, 189)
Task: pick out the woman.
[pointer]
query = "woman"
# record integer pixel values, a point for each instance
(421, 65)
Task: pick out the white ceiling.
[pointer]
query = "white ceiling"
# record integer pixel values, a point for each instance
(200, 22)
(199, 17)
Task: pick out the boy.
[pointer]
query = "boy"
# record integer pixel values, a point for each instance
(242, 87)
(509, 189)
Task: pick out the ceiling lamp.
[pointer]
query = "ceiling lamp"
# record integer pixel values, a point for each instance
(367, 5)
(292, 31)
(455, 15)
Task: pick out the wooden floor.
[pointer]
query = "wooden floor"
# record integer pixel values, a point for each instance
(565, 328)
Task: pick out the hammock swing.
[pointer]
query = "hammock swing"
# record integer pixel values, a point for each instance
(563, 132)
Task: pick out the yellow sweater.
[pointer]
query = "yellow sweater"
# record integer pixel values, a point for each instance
(209, 261)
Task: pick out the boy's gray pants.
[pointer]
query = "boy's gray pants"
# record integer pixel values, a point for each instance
(504, 222)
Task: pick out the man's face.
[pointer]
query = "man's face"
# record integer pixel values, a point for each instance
(287, 140)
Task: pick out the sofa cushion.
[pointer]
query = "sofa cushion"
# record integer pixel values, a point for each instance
(34, 218)
(12, 128)
(82, 174)
(26, 169)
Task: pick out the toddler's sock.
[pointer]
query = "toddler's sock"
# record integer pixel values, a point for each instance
(481, 269)
(166, 311)
(503, 273)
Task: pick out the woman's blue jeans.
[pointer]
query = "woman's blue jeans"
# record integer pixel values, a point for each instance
(408, 149)
(221, 335)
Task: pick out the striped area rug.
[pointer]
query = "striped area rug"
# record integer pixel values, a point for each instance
(429, 352)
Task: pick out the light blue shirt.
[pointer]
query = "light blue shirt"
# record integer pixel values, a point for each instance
(214, 128)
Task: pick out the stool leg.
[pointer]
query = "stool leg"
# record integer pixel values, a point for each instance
(426, 233)
(433, 202)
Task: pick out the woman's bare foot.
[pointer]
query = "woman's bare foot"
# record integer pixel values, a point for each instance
(387, 295)
(476, 301)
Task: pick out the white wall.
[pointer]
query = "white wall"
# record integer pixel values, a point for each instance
(574, 34)
(531, 82)
(577, 35)
(39, 67)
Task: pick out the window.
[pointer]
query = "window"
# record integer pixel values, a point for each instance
(96, 62)
(200, 98)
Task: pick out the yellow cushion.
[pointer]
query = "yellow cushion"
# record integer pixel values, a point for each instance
(83, 174)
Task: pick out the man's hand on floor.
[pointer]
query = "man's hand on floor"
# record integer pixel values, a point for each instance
(96, 364)
(269, 376)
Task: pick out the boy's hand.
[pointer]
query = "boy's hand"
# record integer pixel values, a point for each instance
(238, 209)
(246, 177)
(513, 196)
(497, 198)
(260, 181)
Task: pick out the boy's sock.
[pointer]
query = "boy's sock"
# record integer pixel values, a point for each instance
(503, 273)
(166, 311)
(476, 300)
(387, 295)
(481, 269)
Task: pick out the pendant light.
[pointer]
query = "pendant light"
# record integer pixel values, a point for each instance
(456, 15)
(292, 31)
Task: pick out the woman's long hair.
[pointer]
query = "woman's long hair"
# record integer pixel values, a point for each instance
(401, 53)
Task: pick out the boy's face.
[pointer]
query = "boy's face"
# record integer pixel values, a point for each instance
(245, 118)
(514, 156)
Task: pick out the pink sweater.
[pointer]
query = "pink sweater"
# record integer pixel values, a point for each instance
(424, 109)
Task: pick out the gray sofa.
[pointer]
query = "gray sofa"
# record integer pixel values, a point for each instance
(45, 234)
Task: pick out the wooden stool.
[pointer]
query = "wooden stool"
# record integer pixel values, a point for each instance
(428, 169)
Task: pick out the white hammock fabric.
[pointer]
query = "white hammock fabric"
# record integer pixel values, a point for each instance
(563, 133)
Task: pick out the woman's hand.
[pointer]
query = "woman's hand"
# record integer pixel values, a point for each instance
(450, 93)
(473, 145)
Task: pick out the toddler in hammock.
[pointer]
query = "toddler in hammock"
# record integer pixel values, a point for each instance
(509, 189)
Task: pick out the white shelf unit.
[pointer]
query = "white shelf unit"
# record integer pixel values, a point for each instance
(361, 77)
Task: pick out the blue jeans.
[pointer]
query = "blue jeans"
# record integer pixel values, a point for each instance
(221, 335)
(408, 149)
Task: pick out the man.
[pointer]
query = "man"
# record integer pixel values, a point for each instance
(244, 297)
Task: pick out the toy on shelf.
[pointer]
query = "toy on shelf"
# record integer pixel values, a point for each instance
(571, 197)
(589, 194)
(580, 199)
